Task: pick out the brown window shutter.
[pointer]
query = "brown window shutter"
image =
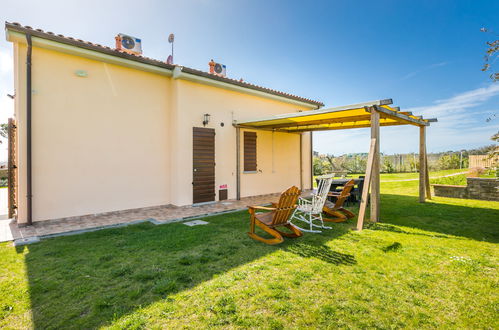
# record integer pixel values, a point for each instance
(249, 151)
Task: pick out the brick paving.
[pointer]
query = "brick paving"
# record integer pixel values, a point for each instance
(159, 214)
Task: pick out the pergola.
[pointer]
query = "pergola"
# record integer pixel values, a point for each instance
(369, 114)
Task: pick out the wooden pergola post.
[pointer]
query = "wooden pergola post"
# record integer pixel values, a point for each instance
(367, 183)
(427, 176)
(372, 179)
(422, 164)
(375, 179)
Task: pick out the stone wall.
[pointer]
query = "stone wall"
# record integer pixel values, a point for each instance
(483, 188)
(476, 188)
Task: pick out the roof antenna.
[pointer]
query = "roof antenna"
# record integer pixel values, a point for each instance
(171, 39)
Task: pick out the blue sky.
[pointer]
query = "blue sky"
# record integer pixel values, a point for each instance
(425, 55)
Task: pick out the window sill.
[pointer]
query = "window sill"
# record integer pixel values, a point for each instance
(250, 172)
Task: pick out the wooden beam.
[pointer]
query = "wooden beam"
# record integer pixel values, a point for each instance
(427, 175)
(401, 116)
(422, 164)
(319, 122)
(365, 189)
(316, 112)
(311, 160)
(337, 127)
(375, 180)
(301, 161)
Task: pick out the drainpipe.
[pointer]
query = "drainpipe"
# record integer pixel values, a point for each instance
(238, 163)
(28, 131)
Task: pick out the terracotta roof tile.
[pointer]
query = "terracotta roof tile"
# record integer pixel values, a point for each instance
(108, 50)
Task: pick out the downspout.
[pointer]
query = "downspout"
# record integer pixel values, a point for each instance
(238, 163)
(28, 132)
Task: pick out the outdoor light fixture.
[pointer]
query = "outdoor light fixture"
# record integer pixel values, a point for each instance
(206, 119)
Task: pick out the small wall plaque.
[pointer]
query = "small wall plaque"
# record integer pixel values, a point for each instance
(81, 73)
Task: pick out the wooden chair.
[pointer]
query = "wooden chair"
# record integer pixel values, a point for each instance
(337, 210)
(277, 217)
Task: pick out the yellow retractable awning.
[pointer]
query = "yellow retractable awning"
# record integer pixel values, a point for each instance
(345, 117)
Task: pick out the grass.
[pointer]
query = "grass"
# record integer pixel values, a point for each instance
(424, 266)
(415, 175)
(458, 180)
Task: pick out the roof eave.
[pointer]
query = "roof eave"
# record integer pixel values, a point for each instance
(50, 40)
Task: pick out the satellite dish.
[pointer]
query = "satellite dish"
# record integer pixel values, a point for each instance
(171, 38)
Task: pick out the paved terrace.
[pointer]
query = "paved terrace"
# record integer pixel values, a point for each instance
(158, 215)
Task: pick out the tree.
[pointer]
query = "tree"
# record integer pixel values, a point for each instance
(447, 162)
(491, 55)
(388, 166)
(4, 130)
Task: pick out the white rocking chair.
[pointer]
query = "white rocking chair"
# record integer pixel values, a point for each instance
(309, 211)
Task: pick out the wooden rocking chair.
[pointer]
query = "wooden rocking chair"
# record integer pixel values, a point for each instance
(278, 216)
(337, 210)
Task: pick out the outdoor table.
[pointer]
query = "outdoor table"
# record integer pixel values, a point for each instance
(341, 182)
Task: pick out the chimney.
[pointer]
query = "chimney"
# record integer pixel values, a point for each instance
(118, 42)
(212, 66)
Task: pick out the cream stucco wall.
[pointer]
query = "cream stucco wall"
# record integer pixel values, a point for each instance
(278, 166)
(99, 142)
(121, 138)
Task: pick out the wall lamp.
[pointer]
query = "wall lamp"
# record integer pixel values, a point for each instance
(206, 119)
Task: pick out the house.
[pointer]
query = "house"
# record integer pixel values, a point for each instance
(104, 130)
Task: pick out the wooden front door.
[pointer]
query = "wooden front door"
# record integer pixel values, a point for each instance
(203, 165)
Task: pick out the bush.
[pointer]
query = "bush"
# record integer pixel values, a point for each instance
(448, 162)
(476, 172)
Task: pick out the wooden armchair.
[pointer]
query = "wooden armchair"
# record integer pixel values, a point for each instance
(337, 210)
(277, 217)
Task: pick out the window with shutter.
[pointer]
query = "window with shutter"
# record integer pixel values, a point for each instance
(250, 151)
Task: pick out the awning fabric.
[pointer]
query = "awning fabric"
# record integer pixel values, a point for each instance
(345, 117)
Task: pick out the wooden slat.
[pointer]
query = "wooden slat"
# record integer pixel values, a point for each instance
(250, 153)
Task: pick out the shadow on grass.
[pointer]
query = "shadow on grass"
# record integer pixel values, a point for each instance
(398, 230)
(323, 253)
(91, 280)
(472, 222)
(392, 247)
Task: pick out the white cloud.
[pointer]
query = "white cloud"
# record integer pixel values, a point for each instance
(6, 62)
(459, 103)
(6, 84)
(429, 67)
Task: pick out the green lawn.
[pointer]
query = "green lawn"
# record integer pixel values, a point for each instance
(425, 266)
(405, 176)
